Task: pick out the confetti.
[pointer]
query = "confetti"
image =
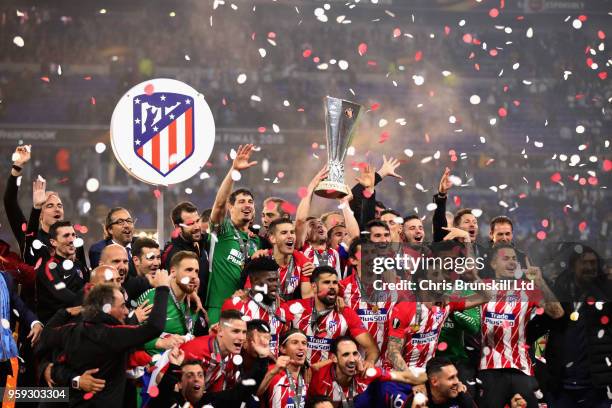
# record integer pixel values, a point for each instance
(362, 49)
(153, 391)
(100, 147)
(18, 41)
(67, 264)
(92, 185)
(237, 359)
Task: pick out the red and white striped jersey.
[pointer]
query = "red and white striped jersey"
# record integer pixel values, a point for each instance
(328, 256)
(373, 315)
(504, 337)
(219, 374)
(282, 395)
(419, 326)
(278, 321)
(321, 333)
(323, 382)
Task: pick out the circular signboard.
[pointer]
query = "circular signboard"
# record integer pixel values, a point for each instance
(162, 131)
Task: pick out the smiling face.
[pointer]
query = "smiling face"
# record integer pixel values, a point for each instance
(242, 212)
(446, 382)
(64, 242)
(504, 263)
(414, 231)
(502, 232)
(232, 335)
(271, 212)
(149, 262)
(283, 238)
(346, 358)
(395, 225)
(191, 227)
(121, 227)
(52, 210)
(192, 382)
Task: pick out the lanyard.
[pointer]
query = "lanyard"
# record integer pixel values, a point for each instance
(271, 310)
(297, 390)
(217, 351)
(321, 261)
(288, 275)
(346, 402)
(244, 245)
(185, 312)
(315, 316)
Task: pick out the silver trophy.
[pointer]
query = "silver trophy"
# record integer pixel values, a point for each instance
(340, 119)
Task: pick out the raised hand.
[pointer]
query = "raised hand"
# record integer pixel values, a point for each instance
(367, 176)
(445, 183)
(39, 193)
(320, 176)
(454, 232)
(143, 311)
(161, 278)
(176, 356)
(22, 155)
(243, 155)
(388, 167)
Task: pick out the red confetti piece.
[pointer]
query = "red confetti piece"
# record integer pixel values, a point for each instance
(87, 78)
(476, 41)
(362, 49)
(493, 13)
(316, 60)
(396, 32)
(300, 109)
(467, 38)
(541, 235)
(367, 193)
(223, 102)
(539, 311)
(589, 62)
(271, 34)
(582, 18)
(418, 56)
(582, 181)
(93, 100)
(280, 174)
(302, 192)
(516, 102)
(506, 87)
(44, 79)
(383, 137)
(457, 201)
(261, 129)
(375, 106)
(288, 207)
(605, 320)
(607, 165)
(493, 52)
(502, 112)
(24, 227)
(157, 193)
(315, 145)
(601, 35)
(556, 177)
(447, 30)
(590, 301)
(372, 63)
(545, 223)
(489, 162)
(602, 75)
(38, 262)
(477, 67)
(306, 53)
(442, 346)
(149, 88)
(582, 226)
(522, 195)
(253, 36)
(153, 391)
(88, 396)
(84, 229)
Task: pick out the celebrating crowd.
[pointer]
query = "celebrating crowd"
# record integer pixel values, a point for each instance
(230, 314)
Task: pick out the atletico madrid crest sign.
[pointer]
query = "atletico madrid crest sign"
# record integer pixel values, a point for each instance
(162, 131)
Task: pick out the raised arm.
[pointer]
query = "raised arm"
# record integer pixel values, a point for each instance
(439, 216)
(352, 227)
(241, 162)
(303, 209)
(552, 307)
(14, 214)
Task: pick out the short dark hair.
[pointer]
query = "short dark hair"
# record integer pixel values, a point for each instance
(459, 214)
(377, 223)
(259, 265)
(389, 211)
(109, 216)
(244, 191)
(380, 204)
(436, 364)
(498, 247)
(205, 216)
(411, 217)
(180, 256)
(319, 270)
(230, 314)
(96, 298)
(275, 223)
(500, 219)
(279, 205)
(355, 243)
(191, 362)
(258, 325)
(57, 225)
(141, 243)
(315, 400)
(333, 347)
(285, 335)
(178, 209)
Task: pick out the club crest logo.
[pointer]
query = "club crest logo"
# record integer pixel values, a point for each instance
(162, 131)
